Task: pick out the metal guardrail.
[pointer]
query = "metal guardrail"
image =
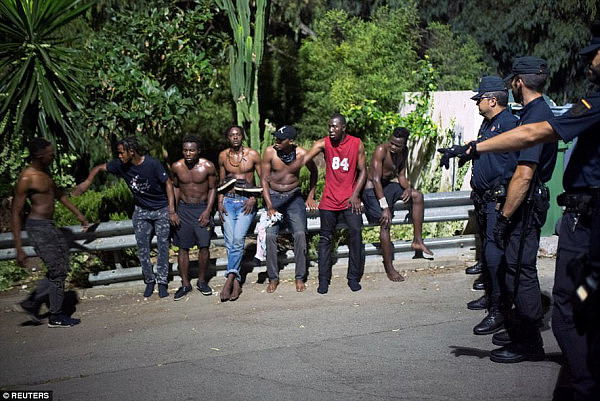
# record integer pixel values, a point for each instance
(118, 235)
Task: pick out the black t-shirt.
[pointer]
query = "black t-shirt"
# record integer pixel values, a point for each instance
(491, 169)
(583, 122)
(146, 181)
(544, 155)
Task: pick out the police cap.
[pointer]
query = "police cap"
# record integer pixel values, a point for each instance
(528, 65)
(489, 84)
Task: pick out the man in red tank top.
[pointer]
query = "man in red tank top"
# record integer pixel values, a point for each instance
(345, 176)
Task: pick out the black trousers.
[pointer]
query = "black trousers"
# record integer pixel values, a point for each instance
(356, 262)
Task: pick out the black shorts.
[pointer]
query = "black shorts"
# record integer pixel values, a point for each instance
(189, 232)
(392, 192)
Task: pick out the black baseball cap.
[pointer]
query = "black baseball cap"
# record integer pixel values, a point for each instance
(285, 132)
(528, 65)
(489, 84)
(592, 47)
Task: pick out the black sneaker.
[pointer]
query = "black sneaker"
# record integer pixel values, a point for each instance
(182, 292)
(31, 308)
(204, 288)
(62, 321)
(226, 184)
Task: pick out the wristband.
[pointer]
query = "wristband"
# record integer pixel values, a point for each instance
(383, 203)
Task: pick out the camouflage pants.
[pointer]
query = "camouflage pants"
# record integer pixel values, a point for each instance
(146, 223)
(51, 246)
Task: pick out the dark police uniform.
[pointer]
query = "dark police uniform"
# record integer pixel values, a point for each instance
(523, 327)
(581, 182)
(491, 172)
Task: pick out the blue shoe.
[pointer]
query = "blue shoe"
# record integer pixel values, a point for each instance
(62, 321)
(204, 288)
(182, 292)
(149, 290)
(163, 292)
(354, 285)
(31, 308)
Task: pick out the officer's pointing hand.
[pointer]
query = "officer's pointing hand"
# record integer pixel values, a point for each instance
(463, 152)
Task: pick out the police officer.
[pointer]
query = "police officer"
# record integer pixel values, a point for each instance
(490, 174)
(521, 219)
(579, 233)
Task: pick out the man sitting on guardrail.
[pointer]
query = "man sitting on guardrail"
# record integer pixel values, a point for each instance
(345, 175)
(195, 181)
(237, 204)
(37, 184)
(380, 195)
(281, 192)
(154, 207)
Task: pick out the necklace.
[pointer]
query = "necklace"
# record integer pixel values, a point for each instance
(229, 157)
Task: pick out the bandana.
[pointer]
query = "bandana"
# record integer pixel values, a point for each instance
(287, 158)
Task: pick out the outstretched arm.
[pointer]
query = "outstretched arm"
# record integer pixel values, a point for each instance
(81, 188)
(521, 137)
(69, 205)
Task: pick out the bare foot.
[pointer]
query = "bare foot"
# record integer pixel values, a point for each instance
(393, 275)
(300, 285)
(227, 288)
(272, 286)
(420, 246)
(237, 290)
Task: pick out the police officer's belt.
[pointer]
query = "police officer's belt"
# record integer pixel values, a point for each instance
(490, 195)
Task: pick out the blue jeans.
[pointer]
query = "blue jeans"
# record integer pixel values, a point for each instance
(291, 205)
(146, 223)
(235, 227)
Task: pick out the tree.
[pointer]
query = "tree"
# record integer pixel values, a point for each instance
(39, 75)
(555, 31)
(151, 68)
(350, 60)
(245, 58)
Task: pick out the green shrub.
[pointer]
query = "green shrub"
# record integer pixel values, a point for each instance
(113, 203)
(10, 273)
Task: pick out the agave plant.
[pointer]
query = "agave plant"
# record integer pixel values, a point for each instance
(38, 72)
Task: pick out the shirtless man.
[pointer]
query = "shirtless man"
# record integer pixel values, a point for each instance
(195, 181)
(36, 183)
(380, 195)
(237, 207)
(281, 191)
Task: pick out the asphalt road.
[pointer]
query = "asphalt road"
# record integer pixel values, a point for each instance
(389, 341)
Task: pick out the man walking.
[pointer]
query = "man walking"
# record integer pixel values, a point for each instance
(36, 184)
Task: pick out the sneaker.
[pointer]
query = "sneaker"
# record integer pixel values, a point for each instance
(182, 292)
(149, 290)
(204, 288)
(31, 309)
(354, 285)
(163, 292)
(226, 184)
(62, 321)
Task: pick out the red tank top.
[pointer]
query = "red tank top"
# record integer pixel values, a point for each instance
(340, 173)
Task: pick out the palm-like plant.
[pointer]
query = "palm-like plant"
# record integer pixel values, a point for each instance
(38, 73)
